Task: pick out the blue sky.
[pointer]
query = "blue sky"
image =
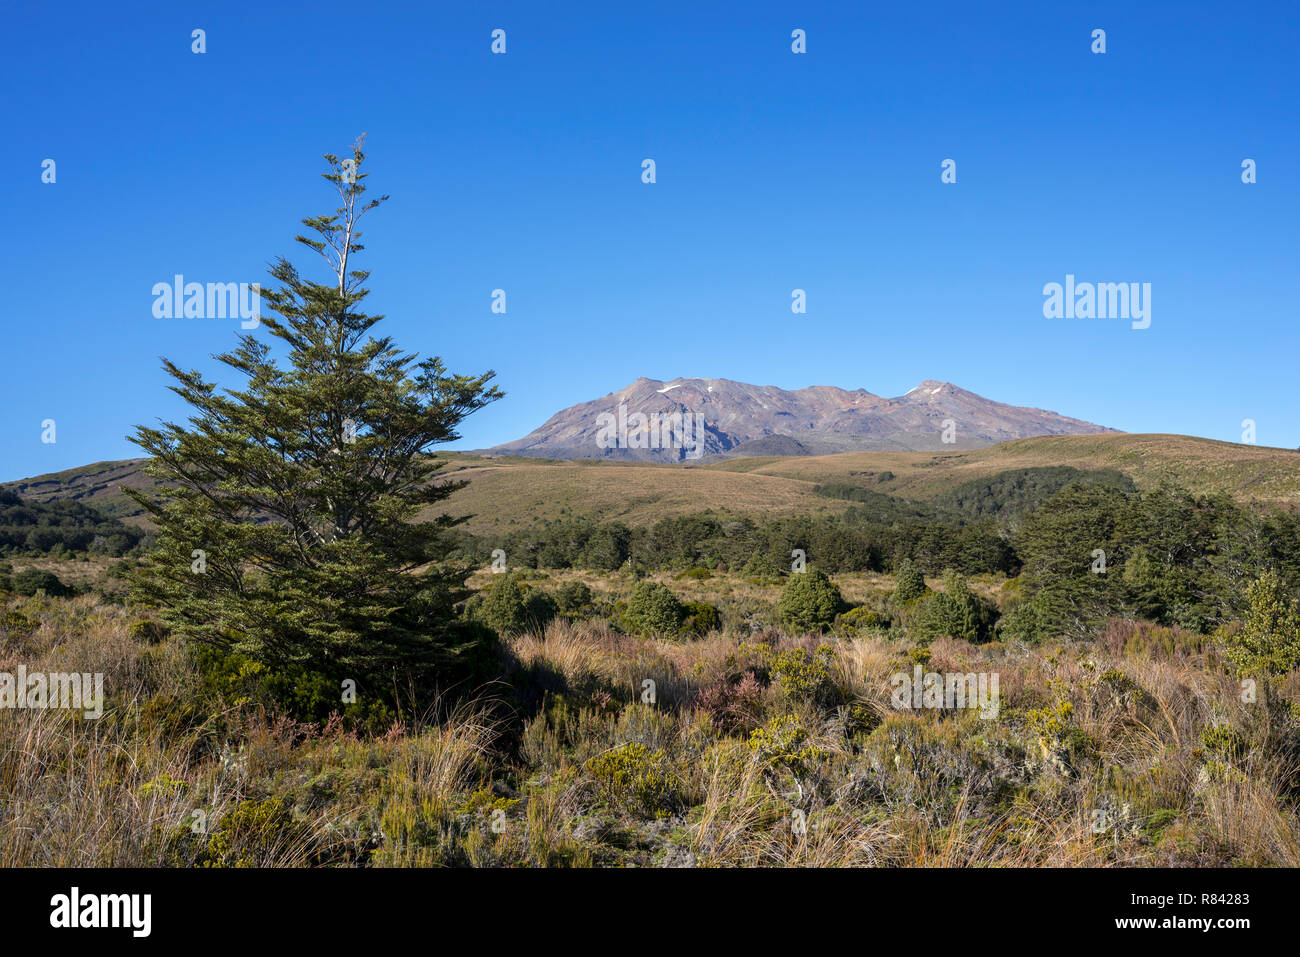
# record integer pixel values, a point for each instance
(775, 171)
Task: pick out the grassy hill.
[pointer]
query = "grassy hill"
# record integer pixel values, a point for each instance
(506, 491)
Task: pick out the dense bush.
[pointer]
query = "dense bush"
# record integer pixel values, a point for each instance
(573, 597)
(700, 617)
(955, 612)
(909, 583)
(653, 610)
(1268, 644)
(509, 606)
(810, 601)
(31, 580)
(60, 527)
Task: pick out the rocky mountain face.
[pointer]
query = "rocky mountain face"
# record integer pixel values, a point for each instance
(693, 419)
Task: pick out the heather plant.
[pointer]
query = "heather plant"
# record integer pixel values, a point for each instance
(734, 705)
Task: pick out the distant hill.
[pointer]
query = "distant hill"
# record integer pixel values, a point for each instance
(508, 491)
(735, 419)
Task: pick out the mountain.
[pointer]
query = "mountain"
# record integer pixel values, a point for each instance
(722, 418)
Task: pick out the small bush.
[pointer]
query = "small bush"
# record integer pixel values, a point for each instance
(700, 617)
(955, 612)
(573, 598)
(147, 631)
(733, 705)
(783, 743)
(810, 601)
(653, 610)
(805, 677)
(862, 618)
(638, 779)
(909, 583)
(694, 574)
(509, 606)
(31, 580)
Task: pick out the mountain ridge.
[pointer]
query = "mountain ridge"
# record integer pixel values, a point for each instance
(687, 418)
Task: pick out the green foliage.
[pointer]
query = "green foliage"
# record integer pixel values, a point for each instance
(810, 601)
(759, 567)
(955, 612)
(286, 516)
(653, 610)
(65, 526)
(29, 581)
(17, 626)
(640, 780)
(573, 597)
(700, 617)
(510, 606)
(806, 677)
(783, 743)
(1268, 644)
(909, 583)
(1017, 491)
(251, 834)
(862, 618)
(147, 631)
(303, 692)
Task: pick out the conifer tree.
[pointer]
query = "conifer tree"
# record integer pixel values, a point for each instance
(290, 525)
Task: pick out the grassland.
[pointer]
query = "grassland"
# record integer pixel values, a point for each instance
(507, 492)
(756, 749)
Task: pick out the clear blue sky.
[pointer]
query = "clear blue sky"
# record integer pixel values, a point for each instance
(775, 171)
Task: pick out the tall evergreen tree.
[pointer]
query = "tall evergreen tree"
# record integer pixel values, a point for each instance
(290, 526)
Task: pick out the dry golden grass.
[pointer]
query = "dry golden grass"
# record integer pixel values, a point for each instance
(876, 786)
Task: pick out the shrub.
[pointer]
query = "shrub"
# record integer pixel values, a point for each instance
(1268, 644)
(805, 677)
(701, 617)
(147, 631)
(573, 597)
(653, 609)
(509, 606)
(762, 569)
(733, 705)
(32, 580)
(862, 618)
(694, 574)
(638, 779)
(17, 627)
(909, 583)
(810, 601)
(955, 612)
(783, 743)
